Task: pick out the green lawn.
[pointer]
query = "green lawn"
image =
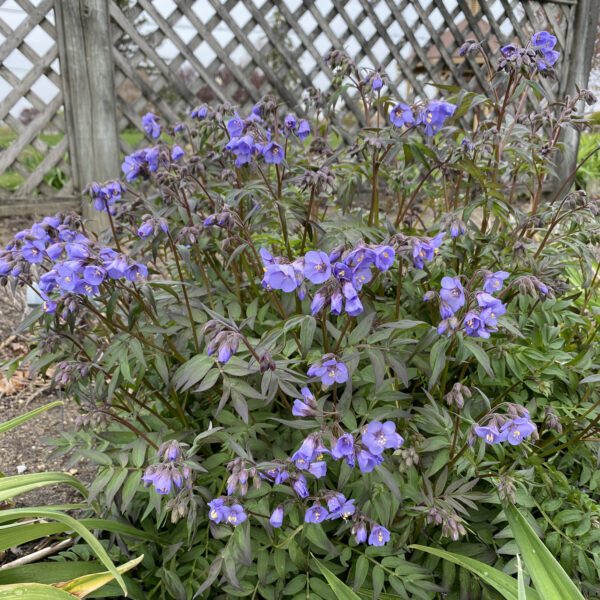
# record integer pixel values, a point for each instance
(10, 180)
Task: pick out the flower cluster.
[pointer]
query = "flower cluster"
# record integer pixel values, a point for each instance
(341, 274)
(432, 117)
(365, 450)
(329, 370)
(106, 195)
(171, 473)
(512, 428)
(145, 161)
(71, 262)
(425, 250)
(477, 322)
(222, 510)
(222, 340)
(247, 141)
(540, 54)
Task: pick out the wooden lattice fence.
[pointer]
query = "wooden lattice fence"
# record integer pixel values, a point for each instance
(112, 60)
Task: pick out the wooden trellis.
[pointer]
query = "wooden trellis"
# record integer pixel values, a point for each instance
(124, 57)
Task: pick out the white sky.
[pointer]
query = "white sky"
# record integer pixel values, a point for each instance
(18, 64)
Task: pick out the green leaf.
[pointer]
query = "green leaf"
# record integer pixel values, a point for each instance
(192, 372)
(86, 584)
(437, 360)
(74, 525)
(8, 425)
(480, 355)
(501, 582)
(521, 580)
(20, 484)
(33, 591)
(549, 578)
(340, 590)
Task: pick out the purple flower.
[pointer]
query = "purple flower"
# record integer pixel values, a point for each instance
(200, 112)
(170, 450)
(136, 272)
(340, 507)
(315, 514)
(66, 278)
(218, 510)
(379, 536)
(33, 251)
(367, 461)
(300, 487)
(493, 283)
(493, 308)
(177, 152)
(329, 371)
(336, 302)
(360, 532)
(318, 468)
(452, 293)
(344, 447)
(425, 250)
(384, 257)
(49, 306)
(508, 50)
(376, 82)
(151, 125)
(474, 325)
(236, 515)
(490, 433)
(543, 40)
(379, 436)
(516, 430)
(548, 59)
(317, 268)
(318, 303)
(276, 518)
(354, 306)
(457, 228)
(235, 127)
(290, 123)
(402, 114)
(446, 311)
(146, 229)
(448, 325)
(307, 407)
(273, 153)
(163, 477)
(280, 277)
(303, 129)
(435, 115)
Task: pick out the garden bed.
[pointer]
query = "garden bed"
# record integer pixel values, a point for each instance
(26, 449)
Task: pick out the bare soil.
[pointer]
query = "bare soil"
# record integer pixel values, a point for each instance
(26, 449)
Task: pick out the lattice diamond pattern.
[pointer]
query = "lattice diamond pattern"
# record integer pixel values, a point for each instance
(173, 54)
(237, 51)
(35, 160)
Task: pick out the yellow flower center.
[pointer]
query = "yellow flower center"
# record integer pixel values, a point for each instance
(213, 514)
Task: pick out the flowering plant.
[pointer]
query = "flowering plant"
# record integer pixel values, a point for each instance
(288, 346)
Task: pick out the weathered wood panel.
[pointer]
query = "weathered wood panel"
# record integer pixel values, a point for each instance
(112, 60)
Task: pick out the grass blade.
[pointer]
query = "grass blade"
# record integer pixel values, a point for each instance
(8, 425)
(86, 584)
(340, 590)
(501, 582)
(74, 525)
(549, 578)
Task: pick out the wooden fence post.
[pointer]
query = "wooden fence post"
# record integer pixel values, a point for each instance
(86, 66)
(580, 62)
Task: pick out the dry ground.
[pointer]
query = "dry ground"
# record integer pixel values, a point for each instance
(26, 448)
